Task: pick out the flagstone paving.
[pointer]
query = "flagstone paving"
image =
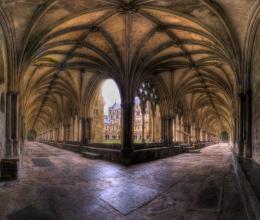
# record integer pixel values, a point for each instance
(62, 185)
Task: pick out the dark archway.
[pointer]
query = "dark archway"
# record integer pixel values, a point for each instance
(31, 135)
(224, 136)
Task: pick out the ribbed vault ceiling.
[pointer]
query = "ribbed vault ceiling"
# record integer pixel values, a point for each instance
(184, 47)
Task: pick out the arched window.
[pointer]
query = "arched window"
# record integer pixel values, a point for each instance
(145, 121)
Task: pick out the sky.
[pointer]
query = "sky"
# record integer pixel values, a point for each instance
(110, 93)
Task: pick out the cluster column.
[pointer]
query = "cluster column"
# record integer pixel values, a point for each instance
(85, 130)
(127, 120)
(248, 124)
(12, 145)
(167, 123)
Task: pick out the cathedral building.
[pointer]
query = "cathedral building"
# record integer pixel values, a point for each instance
(112, 123)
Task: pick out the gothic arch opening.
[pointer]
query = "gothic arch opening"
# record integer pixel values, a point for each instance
(106, 114)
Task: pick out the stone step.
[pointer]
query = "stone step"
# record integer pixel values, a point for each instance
(91, 155)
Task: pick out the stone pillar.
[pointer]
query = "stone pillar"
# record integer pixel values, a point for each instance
(241, 124)
(12, 146)
(193, 133)
(9, 141)
(76, 129)
(248, 125)
(58, 134)
(154, 125)
(182, 128)
(127, 129)
(85, 130)
(9, 167)
(185, 138)
(79, 130)
(15, 124)
(167, 128)
(188, 130)
(64, 132)
(197, 134)
(174, 130)
(143, 118)
(83, 133)
(177, 130)
(170, 130)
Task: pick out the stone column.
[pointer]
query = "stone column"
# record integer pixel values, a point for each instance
(15, 124)
(167, 128)
(154, 125)
(9, 141)
(143, 127)
(189, 132)
(12, 148)
(61, 133)
(127, 129)
(64, 132)
(174, 129)
(185, 138)
(177, 129)
(170, 129)
(182, 128)
(241, 124)
(85, 130)
(248, 125)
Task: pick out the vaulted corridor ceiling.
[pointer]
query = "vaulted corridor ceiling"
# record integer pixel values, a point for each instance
(186, 49)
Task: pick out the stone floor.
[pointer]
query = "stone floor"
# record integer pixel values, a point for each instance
(58, 184)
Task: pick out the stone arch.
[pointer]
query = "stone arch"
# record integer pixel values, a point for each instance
(95, 113)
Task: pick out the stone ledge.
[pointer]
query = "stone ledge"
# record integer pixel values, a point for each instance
(141, 152)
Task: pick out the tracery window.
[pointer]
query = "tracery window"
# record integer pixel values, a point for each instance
(147, 92)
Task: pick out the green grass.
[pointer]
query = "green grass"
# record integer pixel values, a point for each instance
(111, 142)
(138, 141)
(118, 142)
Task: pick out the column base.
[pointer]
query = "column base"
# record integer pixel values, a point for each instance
(9, 169)
(126, 157)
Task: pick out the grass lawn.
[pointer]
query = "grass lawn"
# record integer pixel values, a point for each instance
(111, 142)
(138, 141)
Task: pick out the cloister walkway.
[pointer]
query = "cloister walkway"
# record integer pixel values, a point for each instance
(58, 184)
